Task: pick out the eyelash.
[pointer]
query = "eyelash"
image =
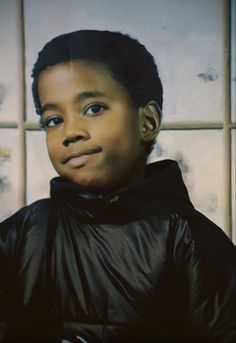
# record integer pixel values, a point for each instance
(45, 124)
(85, 112)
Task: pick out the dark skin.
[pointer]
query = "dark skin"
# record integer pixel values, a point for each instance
(95, 136)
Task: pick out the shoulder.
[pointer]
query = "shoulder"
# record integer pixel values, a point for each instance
(204, 261)
(24, 219)
(198, 227)
(37, 206)
(197, 239)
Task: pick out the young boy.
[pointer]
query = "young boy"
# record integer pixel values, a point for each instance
(118, 252)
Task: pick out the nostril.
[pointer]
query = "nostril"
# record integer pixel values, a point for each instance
(74, 139)
(66, 142)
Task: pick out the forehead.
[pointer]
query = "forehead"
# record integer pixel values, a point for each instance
(76, 74)
(80, 70)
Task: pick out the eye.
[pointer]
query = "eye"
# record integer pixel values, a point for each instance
(94, 110)
(51, 122)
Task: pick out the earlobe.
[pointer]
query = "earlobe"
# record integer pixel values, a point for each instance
(150, 121)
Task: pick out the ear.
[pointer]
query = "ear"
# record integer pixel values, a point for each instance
(150, 122)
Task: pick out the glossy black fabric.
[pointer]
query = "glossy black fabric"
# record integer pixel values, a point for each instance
(138, 265)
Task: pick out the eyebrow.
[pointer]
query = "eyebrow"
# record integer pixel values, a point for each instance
(92, 94)
(78, 98)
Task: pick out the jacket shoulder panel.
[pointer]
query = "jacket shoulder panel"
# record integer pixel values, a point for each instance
(204, 257)
(17, 225)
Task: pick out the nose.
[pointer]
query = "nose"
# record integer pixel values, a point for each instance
(73, 132)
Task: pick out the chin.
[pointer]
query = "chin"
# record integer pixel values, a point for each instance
(100, 185)
(88, 183)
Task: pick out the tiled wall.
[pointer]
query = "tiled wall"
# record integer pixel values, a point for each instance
(191, 43)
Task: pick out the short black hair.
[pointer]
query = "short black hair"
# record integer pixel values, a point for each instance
(127, 59)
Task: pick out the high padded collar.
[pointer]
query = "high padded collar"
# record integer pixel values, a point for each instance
(163, 187)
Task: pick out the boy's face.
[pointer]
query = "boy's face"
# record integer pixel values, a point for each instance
(94, 132)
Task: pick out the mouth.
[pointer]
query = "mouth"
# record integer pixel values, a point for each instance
(79, 158)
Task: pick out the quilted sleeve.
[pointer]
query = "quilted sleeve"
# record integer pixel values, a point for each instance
(8, 238)
(204, 260)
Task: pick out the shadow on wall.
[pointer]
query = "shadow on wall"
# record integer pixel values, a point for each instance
(5, 155)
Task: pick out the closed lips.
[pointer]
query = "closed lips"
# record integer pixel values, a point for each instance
(81, 153)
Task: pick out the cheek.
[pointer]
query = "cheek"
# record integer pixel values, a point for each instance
(52, 148)
(127, 144)
(122, 154)
(117, 135)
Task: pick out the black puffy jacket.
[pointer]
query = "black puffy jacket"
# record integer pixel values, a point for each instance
(139, 265)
